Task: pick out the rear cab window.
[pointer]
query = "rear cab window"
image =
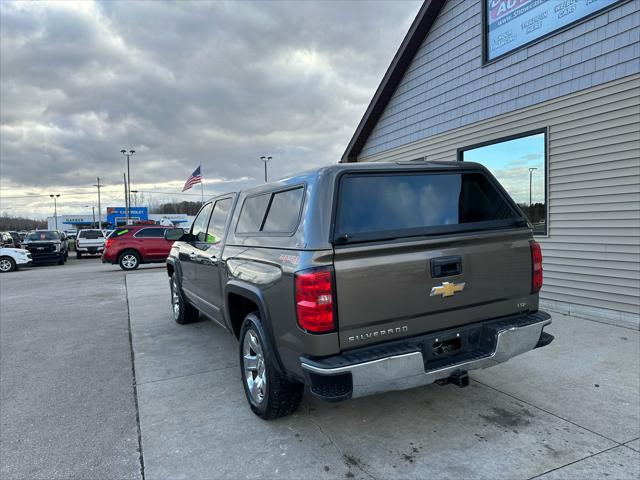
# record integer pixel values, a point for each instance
(90, 234)
(382, 206)
(271, 213)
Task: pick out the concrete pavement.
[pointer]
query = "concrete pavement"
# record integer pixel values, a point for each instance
(68, 403)
(568, 411)
(67, 406)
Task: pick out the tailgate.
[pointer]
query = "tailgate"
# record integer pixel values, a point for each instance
(392, 291)
(92, 241)
(421, 251)
(88, 242)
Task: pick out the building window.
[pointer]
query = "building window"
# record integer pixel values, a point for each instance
(519, 163)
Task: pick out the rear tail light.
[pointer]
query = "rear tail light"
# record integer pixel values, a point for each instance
(108, 243)
(536, 267)
(315, 300)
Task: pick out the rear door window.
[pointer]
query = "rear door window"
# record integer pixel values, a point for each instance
(383, 206)
(284, 211)
(150, 233)
(252, 213)
(199, 227)
(218, 221)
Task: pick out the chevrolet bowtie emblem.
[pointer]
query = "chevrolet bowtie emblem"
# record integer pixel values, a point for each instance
(447, 289)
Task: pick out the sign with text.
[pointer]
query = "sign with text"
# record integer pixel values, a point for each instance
(511, 24)
(118, 215)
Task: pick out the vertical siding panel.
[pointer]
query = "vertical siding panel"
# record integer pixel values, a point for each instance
(594, 166)
(447, 87)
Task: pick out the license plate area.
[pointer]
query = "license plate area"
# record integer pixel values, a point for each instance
(446, 347)
(455, 346)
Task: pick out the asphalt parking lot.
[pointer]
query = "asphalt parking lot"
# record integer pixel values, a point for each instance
(71, 407)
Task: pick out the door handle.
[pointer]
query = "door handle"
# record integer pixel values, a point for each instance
(193, 256)
(446, 266)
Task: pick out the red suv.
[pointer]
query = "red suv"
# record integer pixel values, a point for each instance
(135, 244)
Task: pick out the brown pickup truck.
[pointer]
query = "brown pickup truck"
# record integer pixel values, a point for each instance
(359, 279)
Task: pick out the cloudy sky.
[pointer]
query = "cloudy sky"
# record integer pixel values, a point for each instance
(184, 83)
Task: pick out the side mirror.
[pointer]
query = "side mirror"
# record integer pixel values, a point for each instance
(173, 234)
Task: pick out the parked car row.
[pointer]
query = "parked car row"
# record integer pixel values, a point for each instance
(127, 246)
(36, 247)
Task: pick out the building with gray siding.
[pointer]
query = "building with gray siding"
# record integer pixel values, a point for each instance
(547, 95)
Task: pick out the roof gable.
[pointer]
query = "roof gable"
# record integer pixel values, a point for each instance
(410, 44)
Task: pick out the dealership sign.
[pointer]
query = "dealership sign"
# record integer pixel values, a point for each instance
(118, 215)
(510, 24)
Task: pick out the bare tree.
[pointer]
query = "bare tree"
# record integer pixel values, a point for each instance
(189, 208)
(20, 223)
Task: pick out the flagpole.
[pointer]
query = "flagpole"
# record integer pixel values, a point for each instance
(202, 184)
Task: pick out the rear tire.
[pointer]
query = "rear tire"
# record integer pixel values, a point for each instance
(129, 260)
(7, 264)
(183, 311)
(270, 395)
(78, 255)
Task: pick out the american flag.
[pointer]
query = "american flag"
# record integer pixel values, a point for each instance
(194, 179)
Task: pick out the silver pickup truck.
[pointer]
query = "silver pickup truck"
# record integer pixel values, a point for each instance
(359, 279)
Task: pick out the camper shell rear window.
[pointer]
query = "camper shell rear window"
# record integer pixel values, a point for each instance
(382, 206)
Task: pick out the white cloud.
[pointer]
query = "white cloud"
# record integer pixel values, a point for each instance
(182, 83)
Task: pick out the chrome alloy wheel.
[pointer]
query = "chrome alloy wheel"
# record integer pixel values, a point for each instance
(253, 366)
(129, 261)
(175, 300)
(5, 265)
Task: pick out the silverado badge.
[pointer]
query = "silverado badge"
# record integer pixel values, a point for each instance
(447, 289)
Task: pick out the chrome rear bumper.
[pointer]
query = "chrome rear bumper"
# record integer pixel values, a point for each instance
(408, 370)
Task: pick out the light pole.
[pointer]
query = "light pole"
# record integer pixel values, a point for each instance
(265, 160)
(531, 169)
(128, 155)
(99, 207)
(93, 209)
(126, 195)
(55, 197)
